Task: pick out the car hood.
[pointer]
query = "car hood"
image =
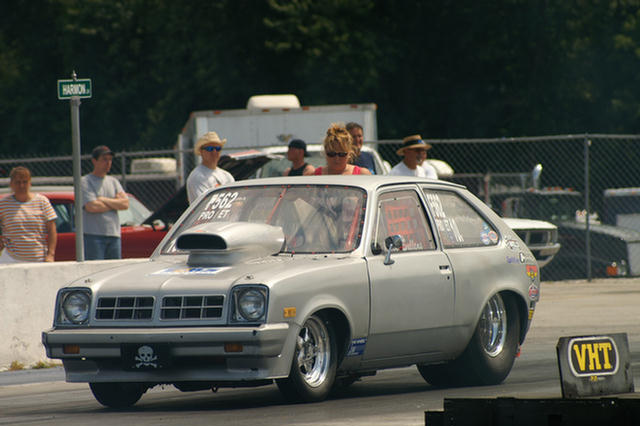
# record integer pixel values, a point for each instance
(517, 223)
(172, 275)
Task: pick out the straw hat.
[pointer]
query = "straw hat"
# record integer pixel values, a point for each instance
(413, 141)
(207, 138)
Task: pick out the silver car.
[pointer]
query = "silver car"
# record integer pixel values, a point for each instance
(311, 282)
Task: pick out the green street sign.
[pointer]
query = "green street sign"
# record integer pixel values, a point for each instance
(67, 89)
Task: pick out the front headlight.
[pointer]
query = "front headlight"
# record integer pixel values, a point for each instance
(73, 306)
(250, 304)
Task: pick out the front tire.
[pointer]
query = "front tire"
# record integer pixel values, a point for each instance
(117, 395)
(313, 369)
(490, 354)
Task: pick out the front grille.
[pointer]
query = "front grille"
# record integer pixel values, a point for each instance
(191, 307)
(124, 308)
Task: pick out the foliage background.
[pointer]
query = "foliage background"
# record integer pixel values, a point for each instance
(442, 68)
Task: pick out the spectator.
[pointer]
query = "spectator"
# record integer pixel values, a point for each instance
(296, 153)
(429, 170)
(338, 150)
(102, 196)
(27, 221)
(412, 152)
(361, 158)
(207, 175)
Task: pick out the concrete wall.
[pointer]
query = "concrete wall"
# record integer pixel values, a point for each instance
(27, 297)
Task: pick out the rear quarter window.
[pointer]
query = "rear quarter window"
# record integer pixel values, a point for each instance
(458, 223)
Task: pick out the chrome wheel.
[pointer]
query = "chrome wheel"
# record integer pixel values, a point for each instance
(313, 352)
(493, 326)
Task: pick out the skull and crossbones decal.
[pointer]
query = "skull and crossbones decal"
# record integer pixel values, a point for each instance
(146, 357)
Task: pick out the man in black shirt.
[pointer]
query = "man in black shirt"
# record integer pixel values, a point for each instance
(296, 153)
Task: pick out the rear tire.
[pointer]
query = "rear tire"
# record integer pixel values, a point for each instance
(117, 395)
(490, 354)
(313, 369)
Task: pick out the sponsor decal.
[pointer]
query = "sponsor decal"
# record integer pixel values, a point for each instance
(493, 237)
(532, 271)
(593, 356)
(513, 245)
(356, 347)
(182, 270)
(534, 292)
(512, 259)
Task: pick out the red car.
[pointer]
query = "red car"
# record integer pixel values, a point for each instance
(138, 239)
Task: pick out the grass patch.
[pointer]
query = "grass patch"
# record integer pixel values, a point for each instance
(44, 364)
(16, 365)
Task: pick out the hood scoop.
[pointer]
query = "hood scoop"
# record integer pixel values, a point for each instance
(226, 243)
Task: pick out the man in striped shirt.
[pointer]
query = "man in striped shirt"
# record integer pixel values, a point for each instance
(27, 222)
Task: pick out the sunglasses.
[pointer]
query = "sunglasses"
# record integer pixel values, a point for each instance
(332, 154)
(211, 148)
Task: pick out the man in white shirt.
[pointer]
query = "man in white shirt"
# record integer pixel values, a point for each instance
(207, 175)
(413, 151)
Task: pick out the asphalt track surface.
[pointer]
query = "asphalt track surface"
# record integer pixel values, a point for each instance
(392, 397)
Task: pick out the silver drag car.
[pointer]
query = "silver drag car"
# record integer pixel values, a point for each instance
(311, 282)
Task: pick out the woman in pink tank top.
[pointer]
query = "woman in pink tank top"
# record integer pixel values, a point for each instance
(338, 150)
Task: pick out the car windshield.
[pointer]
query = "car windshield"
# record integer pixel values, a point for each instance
(313, 218)
(135, 214)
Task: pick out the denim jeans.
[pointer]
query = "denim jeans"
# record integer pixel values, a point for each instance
(98, 247)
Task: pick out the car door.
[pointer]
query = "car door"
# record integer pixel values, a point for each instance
(471, 242)
(412, 291)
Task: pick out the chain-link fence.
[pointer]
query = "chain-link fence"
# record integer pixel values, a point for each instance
(587, 185)
(586, 188)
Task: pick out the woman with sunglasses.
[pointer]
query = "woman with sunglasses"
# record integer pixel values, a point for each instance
(207, 175)
(338, 150)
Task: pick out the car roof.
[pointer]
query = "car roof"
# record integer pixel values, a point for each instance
(311, 147)
(368, 182)
(44, 189)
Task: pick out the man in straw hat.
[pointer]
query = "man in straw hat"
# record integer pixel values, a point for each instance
(414, 154)
(207, 174)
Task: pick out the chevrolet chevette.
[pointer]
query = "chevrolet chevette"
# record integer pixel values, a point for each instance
(308, 282)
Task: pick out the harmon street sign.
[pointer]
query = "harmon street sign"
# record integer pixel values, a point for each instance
(70, 88)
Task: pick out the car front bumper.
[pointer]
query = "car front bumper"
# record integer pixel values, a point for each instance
(236, 354)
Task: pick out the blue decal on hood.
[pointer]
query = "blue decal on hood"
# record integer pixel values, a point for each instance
(182, 270)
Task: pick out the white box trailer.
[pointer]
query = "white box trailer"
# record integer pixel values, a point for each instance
(270, 120)
(274, 120)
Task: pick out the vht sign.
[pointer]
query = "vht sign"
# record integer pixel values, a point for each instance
(594, 365)
(67, 89)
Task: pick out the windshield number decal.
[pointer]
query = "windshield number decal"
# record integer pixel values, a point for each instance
(218, 206)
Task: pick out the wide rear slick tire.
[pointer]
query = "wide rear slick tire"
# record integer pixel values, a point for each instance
(313, 369)
(491, 352)
(117, 395)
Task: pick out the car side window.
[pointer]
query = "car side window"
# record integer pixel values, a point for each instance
(458, 223)
(401, 213)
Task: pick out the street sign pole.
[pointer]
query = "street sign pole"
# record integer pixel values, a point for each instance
(77, 187)
(74, 90)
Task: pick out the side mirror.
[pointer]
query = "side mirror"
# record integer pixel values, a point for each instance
(393, 241)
